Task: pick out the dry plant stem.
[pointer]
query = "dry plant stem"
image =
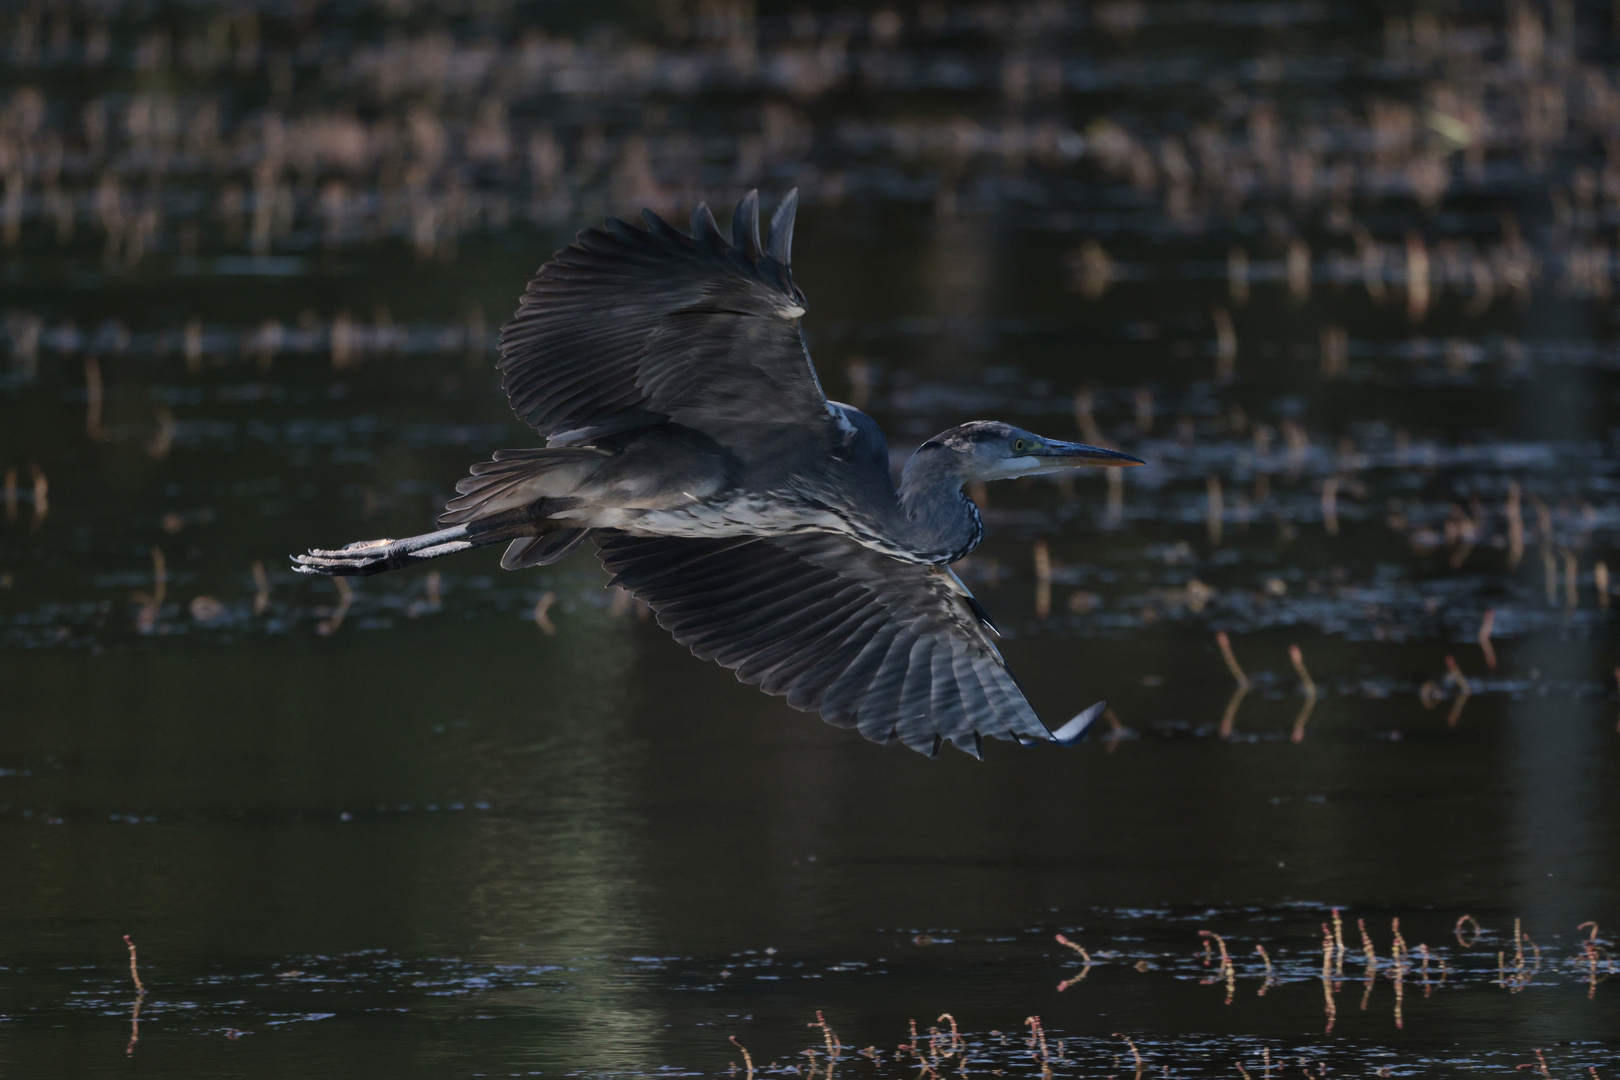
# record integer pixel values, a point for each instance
(1423, 951)
(1037, 1037)
(1298, 659)
(956, 1036)
(1330, 506)
(1237, 276)
(1086, 421)
(1309, 686)
(1224, 643)
(163, 441)
(328, 626)
(134, 1025)
(1135, 1054)
(42, 491)
(1298, 733)
(1329, 1006)
(1216, 509)
(1338, 942)
(134, 968)
(151, 605)
(140, 996)
(1455, 676)
(1515, 522)
(541, 618)
(1266, 959)
(1227, 973)
(1043, 580)
(1229, 717)
(834, 1047)
(748, 1059)
(1600, 582)
(1371, 974)
(1066, 983)
(1485, 626)
(261, 586)
(1591, 950)
(1458, 931)
(92, 397)
(1399, 978)
(1571, 580)
(1116, 729)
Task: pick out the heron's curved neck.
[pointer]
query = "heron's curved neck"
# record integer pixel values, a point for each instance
(940, 522)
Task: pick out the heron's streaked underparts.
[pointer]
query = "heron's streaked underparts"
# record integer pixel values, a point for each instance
(688, 437)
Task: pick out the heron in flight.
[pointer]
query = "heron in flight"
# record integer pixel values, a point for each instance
(688, 438)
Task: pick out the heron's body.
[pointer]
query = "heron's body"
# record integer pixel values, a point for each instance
(687, 434)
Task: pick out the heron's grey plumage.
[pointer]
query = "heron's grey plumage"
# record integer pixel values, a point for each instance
(896, 650)
(687, 434)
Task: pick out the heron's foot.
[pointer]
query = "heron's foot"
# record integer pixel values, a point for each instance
(354, 560)
(374, 556)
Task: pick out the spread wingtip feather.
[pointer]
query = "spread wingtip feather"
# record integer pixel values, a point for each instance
(745, 226)
(781, 242)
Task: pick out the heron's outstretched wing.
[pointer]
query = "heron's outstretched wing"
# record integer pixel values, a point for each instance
(629, 326)
(894, 649)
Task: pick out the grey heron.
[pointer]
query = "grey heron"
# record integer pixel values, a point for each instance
(688, 437)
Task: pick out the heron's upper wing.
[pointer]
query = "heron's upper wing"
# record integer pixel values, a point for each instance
(628, 326)
(894, 649)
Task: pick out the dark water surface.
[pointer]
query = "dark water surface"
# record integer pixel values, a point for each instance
(1345, 276)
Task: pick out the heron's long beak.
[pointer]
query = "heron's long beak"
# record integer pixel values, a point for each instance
(1055, 454)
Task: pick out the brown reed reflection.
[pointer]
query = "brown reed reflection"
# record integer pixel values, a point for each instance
(1308, 686)
(140, 996)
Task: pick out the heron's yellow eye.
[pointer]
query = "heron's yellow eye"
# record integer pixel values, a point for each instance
(1018, 445)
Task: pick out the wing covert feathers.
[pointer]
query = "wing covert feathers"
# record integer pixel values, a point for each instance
(892, 649)
(629, 326)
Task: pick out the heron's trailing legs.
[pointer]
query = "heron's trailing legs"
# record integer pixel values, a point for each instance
(367, 557)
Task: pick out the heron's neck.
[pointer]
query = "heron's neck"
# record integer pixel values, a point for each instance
(940, 523)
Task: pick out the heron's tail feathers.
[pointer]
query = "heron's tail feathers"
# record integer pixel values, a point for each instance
(542, 550)
(520, 478)
(504, 501)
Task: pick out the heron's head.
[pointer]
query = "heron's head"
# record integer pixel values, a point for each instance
(990, 450)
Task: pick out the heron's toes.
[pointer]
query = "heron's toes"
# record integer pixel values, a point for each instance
(360, 545)
(341, 563)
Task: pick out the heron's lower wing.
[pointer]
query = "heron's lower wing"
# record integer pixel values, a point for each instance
(628, 326)
(893, 649)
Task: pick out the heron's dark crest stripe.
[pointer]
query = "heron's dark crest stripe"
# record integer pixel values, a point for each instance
(893, 649)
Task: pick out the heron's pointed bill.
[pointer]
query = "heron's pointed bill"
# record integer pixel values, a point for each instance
(1054, 455)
